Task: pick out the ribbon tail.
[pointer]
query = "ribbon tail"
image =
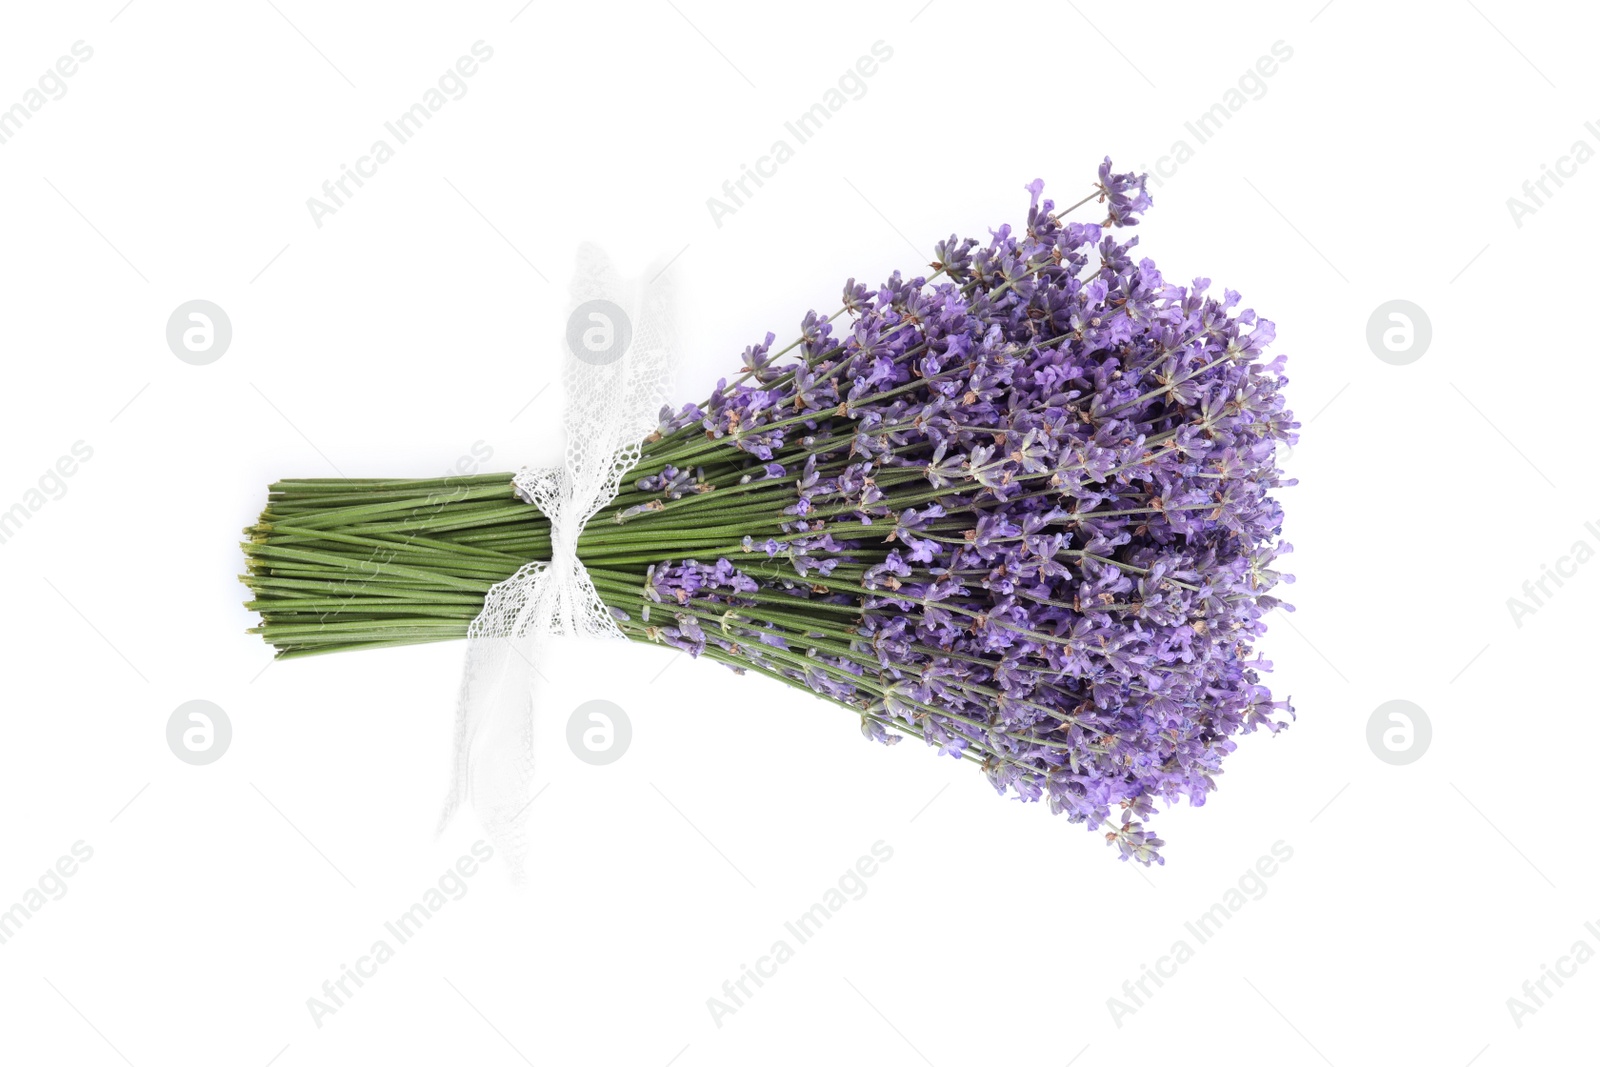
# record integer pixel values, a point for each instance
(493, 761)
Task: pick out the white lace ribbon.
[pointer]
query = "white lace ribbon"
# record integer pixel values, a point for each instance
(615, 384)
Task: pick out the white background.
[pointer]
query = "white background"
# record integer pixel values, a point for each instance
(418, 321)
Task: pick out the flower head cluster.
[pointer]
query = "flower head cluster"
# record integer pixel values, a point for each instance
(1020, 508)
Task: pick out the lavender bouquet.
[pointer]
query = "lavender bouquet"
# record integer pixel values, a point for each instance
(1018, 509)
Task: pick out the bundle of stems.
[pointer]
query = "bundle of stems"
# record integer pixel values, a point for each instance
(338, 563)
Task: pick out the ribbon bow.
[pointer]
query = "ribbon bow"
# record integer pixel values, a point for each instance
(615, 384)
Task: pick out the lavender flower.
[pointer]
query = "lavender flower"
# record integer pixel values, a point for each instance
(1028, 518)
